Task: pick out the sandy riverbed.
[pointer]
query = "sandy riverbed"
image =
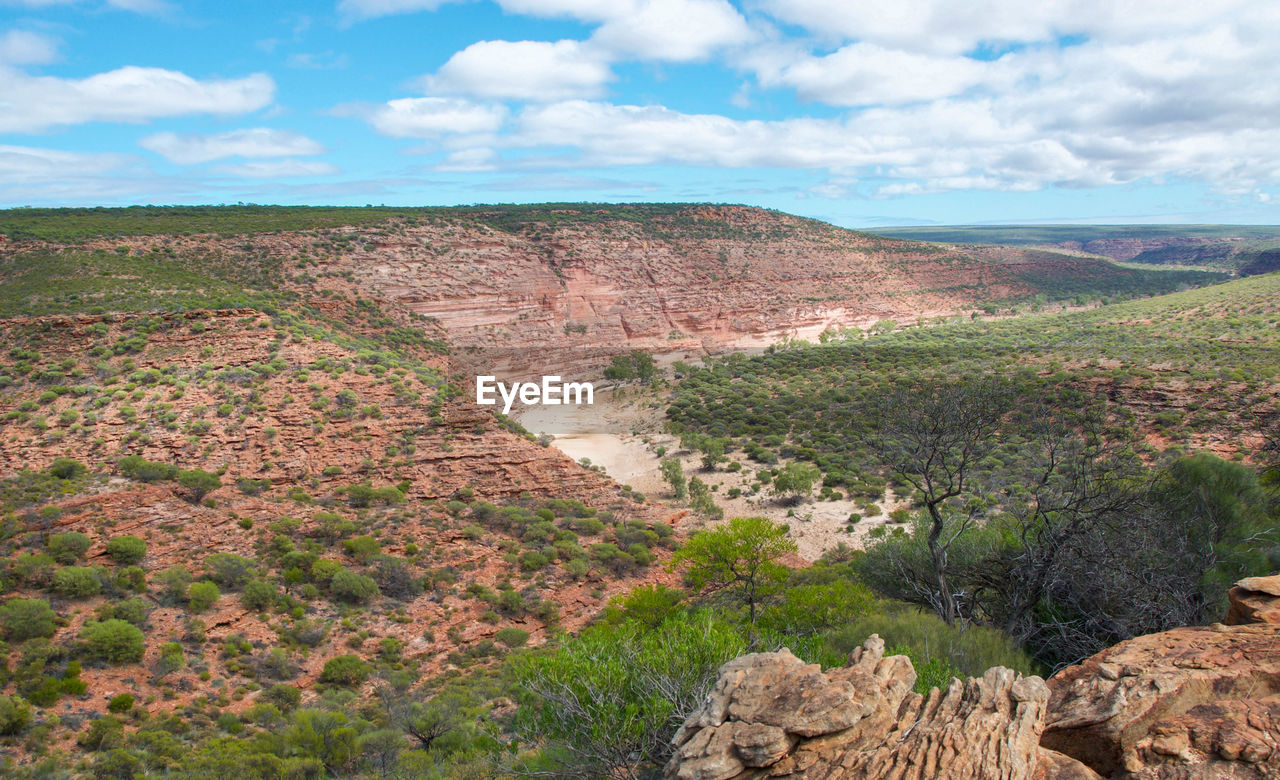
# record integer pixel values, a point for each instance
(622, 432)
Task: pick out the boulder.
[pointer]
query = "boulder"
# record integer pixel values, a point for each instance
(772, 715)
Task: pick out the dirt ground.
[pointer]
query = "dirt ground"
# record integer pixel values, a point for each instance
(621, 433)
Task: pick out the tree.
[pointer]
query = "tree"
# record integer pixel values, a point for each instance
(202, 595)
(126, 550)
(114, 641)
(198, 483)
(607, 703)
(673, 475)
(15, 715)
(740, 558)
(351, 586)
(23, 619)
(344, 670)
(76, 582)
(795, 481)
(69, 547)
(932, 433)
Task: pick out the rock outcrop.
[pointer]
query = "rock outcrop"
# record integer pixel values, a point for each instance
(1198, 703)
(772, 715)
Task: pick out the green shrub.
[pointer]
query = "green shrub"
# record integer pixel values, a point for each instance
(67, 468)
(349, 586)
(114, 641)
(344, 670)
(230, 570)
(68, 548)
(126, 550)
(970, 652)
(259, 595)
(133, 610)
(120, 703)
(171, 659)
(23, 619)
(137, 467)
(286, 697)
(512, 637)
(202, 595)
(198, 483)
(362, 548)
(15, 715)
(76, 582)
(131, 578)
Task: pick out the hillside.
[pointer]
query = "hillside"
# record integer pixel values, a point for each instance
(1242, 249)
(562, 287)
(252, 523)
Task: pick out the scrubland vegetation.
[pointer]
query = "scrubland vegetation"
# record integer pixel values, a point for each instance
(1070, 479)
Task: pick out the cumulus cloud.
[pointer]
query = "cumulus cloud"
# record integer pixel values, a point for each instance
(522, 70)
(277, 169)
(22, 47)
(192, 149)
(430, 117)
(129, 94)
(671, 30)
(870, 74)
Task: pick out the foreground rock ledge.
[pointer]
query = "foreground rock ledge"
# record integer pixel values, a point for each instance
(1199, 703)
(772, 715)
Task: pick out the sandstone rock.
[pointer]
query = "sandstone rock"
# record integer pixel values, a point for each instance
(1199, 699)
(1053, 765)
(1254, 600)
(771, 715)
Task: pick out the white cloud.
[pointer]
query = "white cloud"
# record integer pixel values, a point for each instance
(258, 142)
(522, 70)
(870, 74)
(277, 169)
(432, 117)
(130, 94)
(672, 30)
(21, 47)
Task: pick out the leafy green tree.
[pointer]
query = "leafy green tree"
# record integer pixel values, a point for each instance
(202, 595)
(69, 547)
(795, 480)
(351, 586)
(67, 468)
(126, 550)
(346, 670)
(76, 582)
(198, 483)
(230, 570)
(23, 619)
(259, 595)
(329, 737)
(673, 475)
(15, 715)
(607, 703)
(114, 641)
(740, 559)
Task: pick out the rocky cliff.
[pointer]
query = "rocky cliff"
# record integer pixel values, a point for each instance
(566, 287)
(1201, 702)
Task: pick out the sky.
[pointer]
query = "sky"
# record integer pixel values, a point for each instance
(892, 112)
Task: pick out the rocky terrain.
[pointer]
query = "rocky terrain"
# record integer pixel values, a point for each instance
(560, 289)
(1199, 702)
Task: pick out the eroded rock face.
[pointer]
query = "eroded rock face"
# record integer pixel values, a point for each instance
(772, 715)
(1199, 702)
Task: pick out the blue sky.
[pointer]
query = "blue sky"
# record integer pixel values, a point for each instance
(860, 113)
